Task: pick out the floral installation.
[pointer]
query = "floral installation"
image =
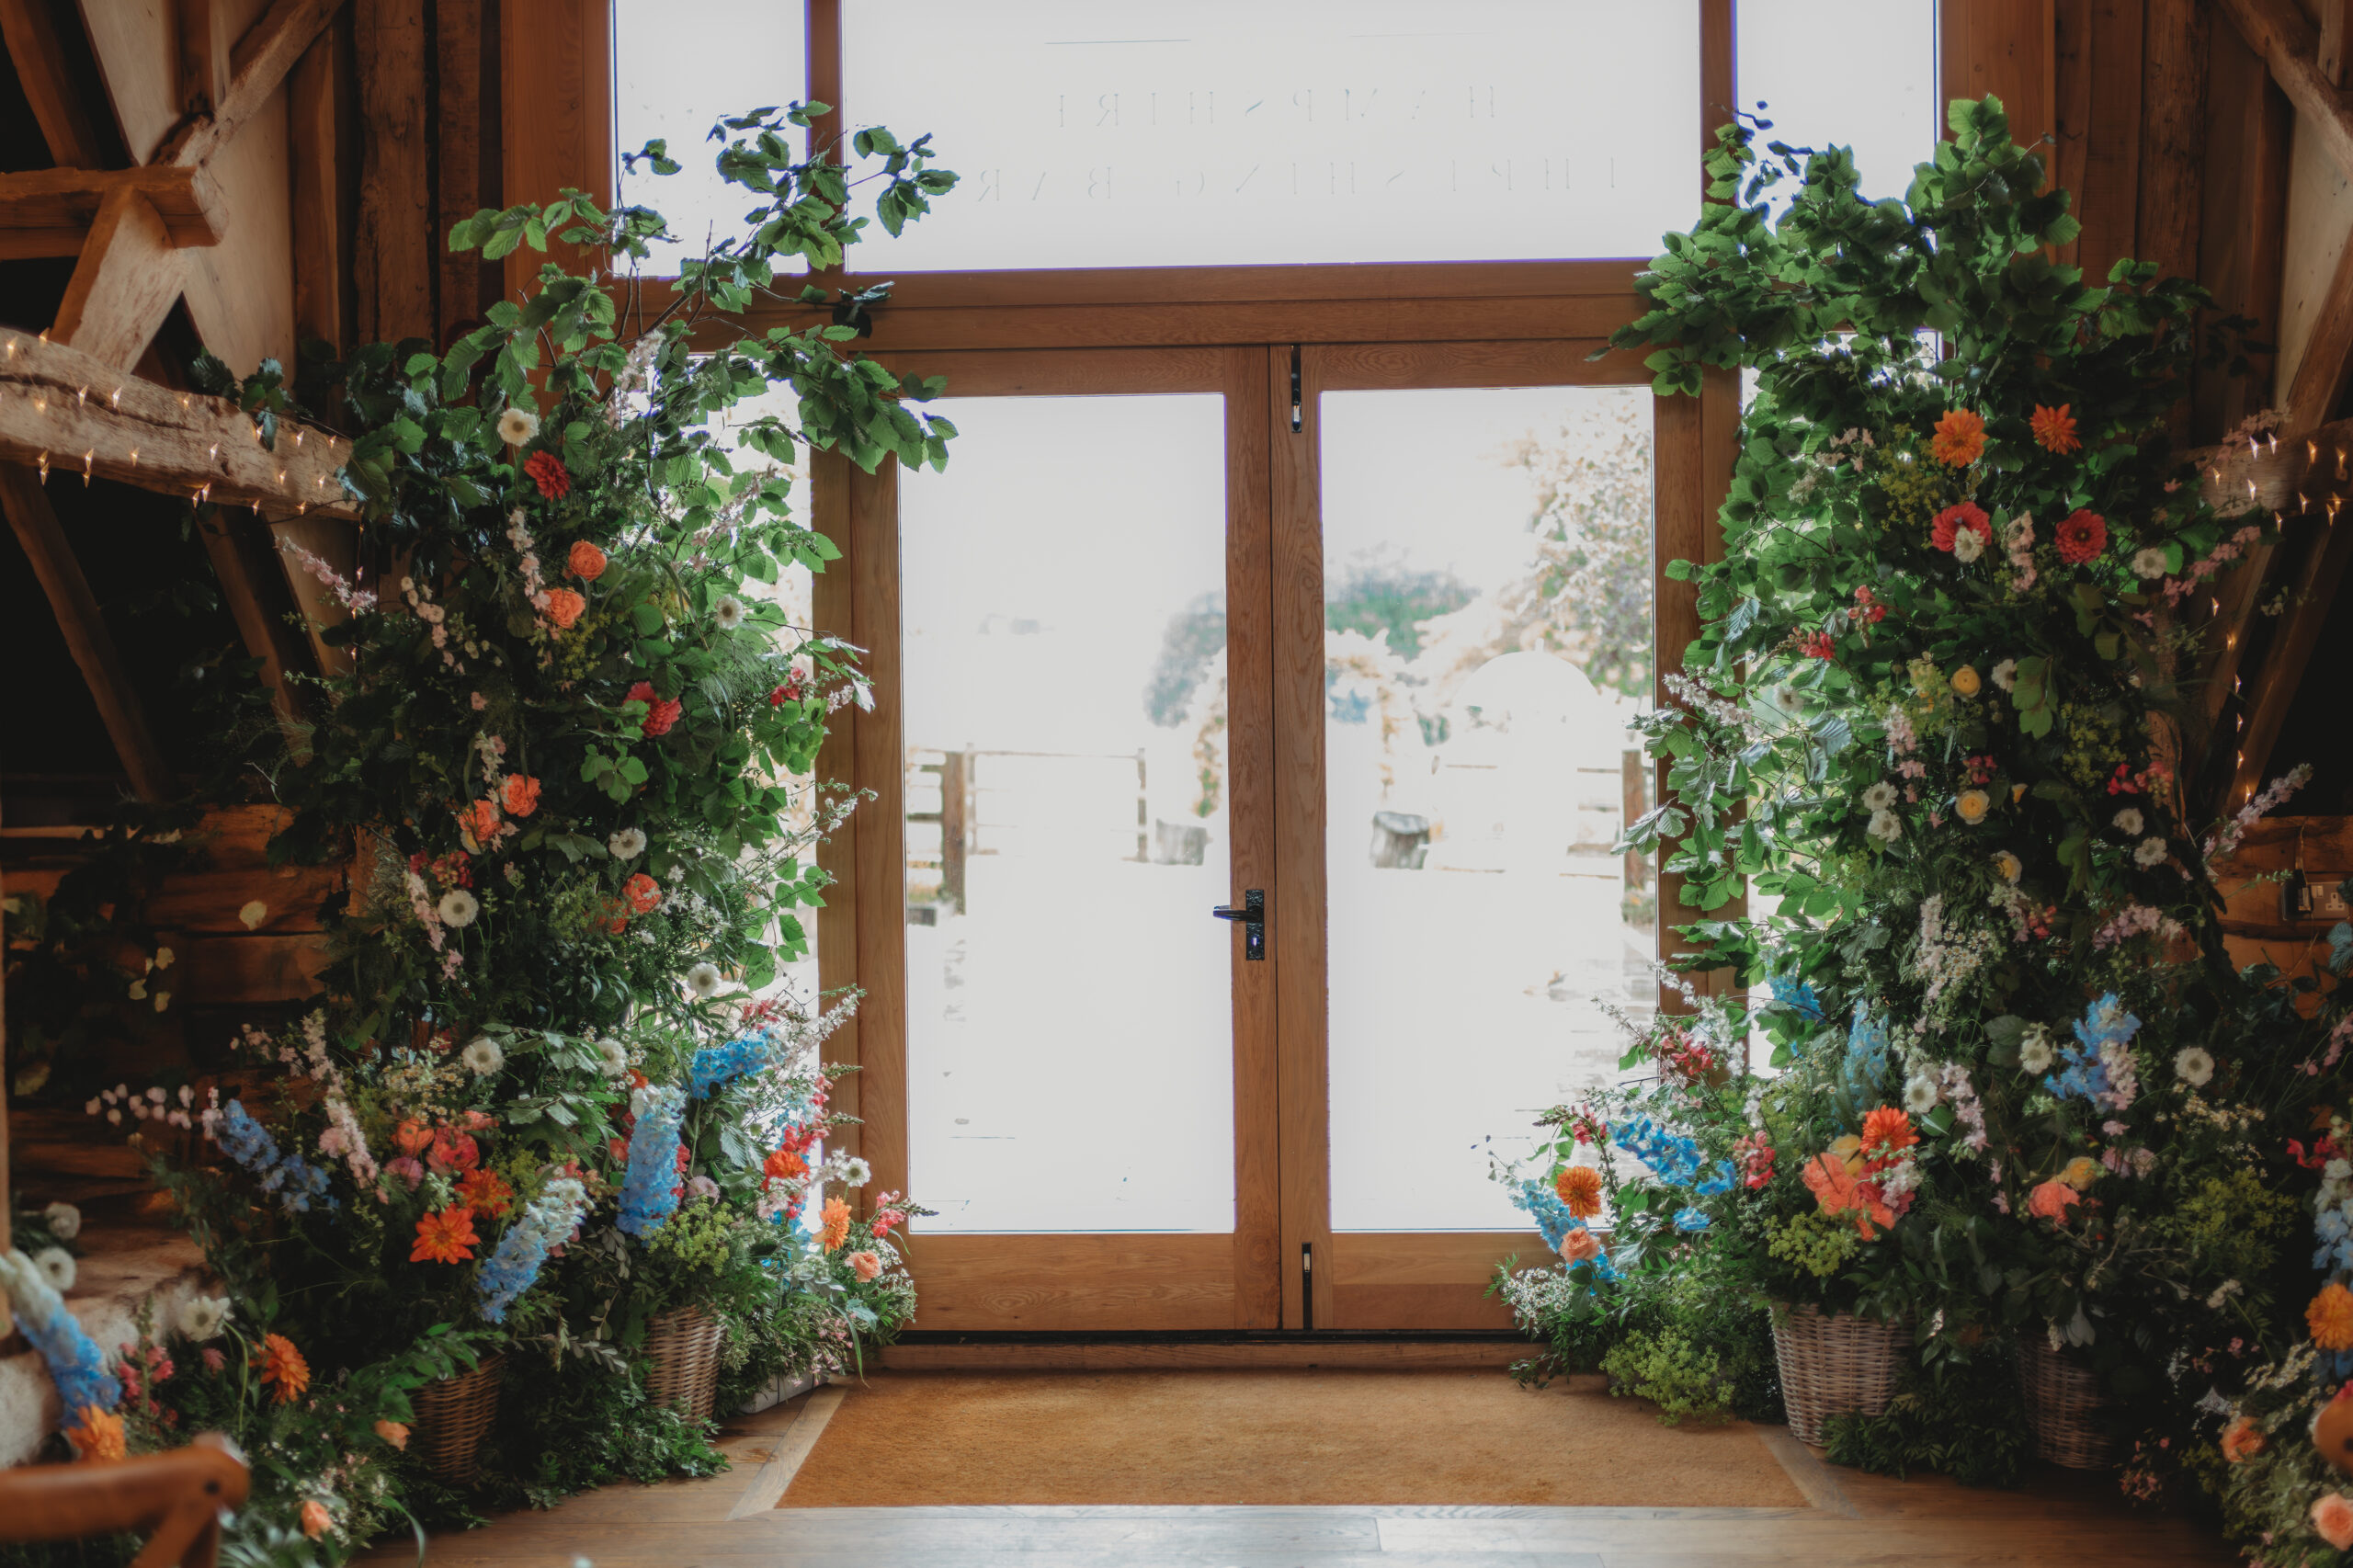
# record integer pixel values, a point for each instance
(2018, 1095)
(557, 1081)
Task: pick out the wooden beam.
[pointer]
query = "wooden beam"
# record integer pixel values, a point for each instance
(204, 54)
(241, 561)
(2173, 134)
(257, 67)
(37, 48)
(82, 415)
(125, 284)
(58, 206)
(395, 249)
(92, 645)
(319, 257)
(2278, 31)
(2327, 364)
(2333, 42)
(2291, 652)
(457, 47)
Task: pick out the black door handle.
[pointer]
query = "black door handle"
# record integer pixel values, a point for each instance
(1253, 915)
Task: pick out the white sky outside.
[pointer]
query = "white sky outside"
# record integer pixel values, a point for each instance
(1858, 73)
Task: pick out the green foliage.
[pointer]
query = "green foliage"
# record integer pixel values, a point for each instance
(1377, 597)
(1683, 1379)
(1955, 1416)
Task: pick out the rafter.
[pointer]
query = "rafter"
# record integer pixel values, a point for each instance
(2278, 31)
(49, 211)
(37, 49)
(257, 67)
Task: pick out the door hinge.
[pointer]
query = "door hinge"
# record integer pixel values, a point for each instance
(1298, 403)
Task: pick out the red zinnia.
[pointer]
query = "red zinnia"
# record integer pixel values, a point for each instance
(661, 712)
(1953, 519)
(2083, 536)
(547, 470)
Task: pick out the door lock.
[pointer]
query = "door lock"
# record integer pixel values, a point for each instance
(1253, 915)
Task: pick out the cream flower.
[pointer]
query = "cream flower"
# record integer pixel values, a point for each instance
(56, 1266)
(1968, 544)
(1973, 805)
(615, 1056)
(2128, 821)
(2193, 1065)
(627, 844)
(1920, 1093)
(2006, 674)
(2152, 852)
(1880, 797)
(2034, 1051)
(253, 914)
(203, 1317)
(2149, 562)
(517, 425)
(483, 1057)
(727, 612)
(1885, 827)
(65, 1221)
(458, 907)
(704, 979)
(2008, 868)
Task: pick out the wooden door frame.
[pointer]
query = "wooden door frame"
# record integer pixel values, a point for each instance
(1063, 1281)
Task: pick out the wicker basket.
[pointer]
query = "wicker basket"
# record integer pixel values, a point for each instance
(2063, 1406)
(452, 1414)
(683, 1342)
(1834, 1366)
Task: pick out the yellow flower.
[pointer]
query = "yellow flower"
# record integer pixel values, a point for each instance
(1973, 805)
(2330, 1318)
(1966, 682)
(2081, 1172)
(2017, 793)
(98, 1437)
(1848, 1152)
(2008, 866)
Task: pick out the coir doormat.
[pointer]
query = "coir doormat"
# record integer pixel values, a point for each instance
(1300, 1438)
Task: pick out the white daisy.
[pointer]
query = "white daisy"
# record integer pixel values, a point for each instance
(1880, 797)
(458, 907)
(627, 844)
(857, 1172)
(2006, 674)
(2149, 562)
(203, 1317)
(704, 979)
(56, 1266)
(482, 1056)
(615, 1057)
(2128, 821)
(727, 612)
(65, 1221)
(1885, 827)
(1968, 544)
(1920, 1093)
(517, 425)
(2152, 852)
(2193, 1066)
(253, 914)
(2034, 1052)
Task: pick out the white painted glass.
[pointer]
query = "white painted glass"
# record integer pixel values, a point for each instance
(1487, 557)
(1145, 133)
(1069, 1027)
(679, 67)
(1858, 73)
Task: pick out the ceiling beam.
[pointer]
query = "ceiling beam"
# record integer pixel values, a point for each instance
(48, 211)
(258, 67)
(2278, 31)
(125, 284)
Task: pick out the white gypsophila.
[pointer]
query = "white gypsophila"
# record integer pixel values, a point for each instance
(704, 979)
(2006, 674)
(458, 908)
(627, 842)
(203, 1317)
(2193, 1065)
(727, 612)
(517, 425)
(481, 1056)
(1968, 544)
(1879, 796)
(65, 1221)
(1920, 1094)
(2152, 852)
(2034, 1051)
(1885, 827)
(615, 1056)
(2128, 822)
(56, 1266)
(2149, 562)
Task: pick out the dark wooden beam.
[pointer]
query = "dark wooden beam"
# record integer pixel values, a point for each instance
(49, 211)
(37, 47)
(2173, 134)
(2278, 31)
(2314, 590)
(394, 252)
(258, 68)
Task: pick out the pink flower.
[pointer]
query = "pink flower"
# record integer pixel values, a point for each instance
(865, 1264)
(213, 1360)
(2333, 1519)
(408, 1169)
(1580, 1245)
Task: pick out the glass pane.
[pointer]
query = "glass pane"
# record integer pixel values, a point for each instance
(1131, 132)
(669, 81)
(1487, 612)
(1069, 1027)
(1860, 73)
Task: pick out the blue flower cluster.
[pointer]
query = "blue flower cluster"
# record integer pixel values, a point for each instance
(1797, 996)
(1691, 1222)
(1552, 1218)
(77, 1365)
(1673, 1159)
(2083, 1075)
(1866, 1055)
(295, 1179)
(2334, 1228)
(716, 1066)
(648, 1192)
(545, 1221)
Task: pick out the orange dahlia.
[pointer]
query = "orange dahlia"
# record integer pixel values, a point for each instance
(1887, 1132)
(283, 1371)
(1580, 1189)
(2330, 1317)
(486, 1193)
(784, 1165)
(835, 1227)
(98, 1435)
(2054, 429)
(445, 1237)
(1960, 439)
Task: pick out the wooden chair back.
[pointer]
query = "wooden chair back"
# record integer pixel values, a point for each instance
(175, 1499)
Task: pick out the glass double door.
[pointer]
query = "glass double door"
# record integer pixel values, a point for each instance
(1346, 639)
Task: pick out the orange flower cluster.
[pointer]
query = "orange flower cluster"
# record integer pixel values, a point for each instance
(1838, 1193)
(1960, 439)
(283, 1371)
(99, 1436)
(1580, 1189)
(834, 1224)
(2054, 429)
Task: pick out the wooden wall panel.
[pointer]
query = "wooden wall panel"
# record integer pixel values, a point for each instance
(2007, 48)
(556, 83)
(137, 45)
(394, 251)
(2173, 131)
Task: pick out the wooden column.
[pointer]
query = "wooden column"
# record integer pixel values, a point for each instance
(2173, 132)
(557, 89)
(458, 108)
(392, 253)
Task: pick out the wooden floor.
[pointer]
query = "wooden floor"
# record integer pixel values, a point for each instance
(1854, 1519)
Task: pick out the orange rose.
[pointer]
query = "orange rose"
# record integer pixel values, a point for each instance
(565, 608)
(865, 1264)
(519, 795)
(586, 562)
(2332, 1518)
(2242, 1440)
(1580, 1245)
(393, 1433)
(316, 1520)
(478, 823)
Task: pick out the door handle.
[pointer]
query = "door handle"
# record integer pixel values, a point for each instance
(1253, 915)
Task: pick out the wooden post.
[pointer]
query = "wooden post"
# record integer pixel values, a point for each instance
(2173, 134)
(456, 53)
(322, 260)
(393, 253)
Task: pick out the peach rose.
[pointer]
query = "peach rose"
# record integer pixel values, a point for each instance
(564, 607)
(865, 1264)
(586, 562)
(2053, 1199)
(316, 1520)
(2242, 1440)
(393, 1433)
(519, 794)
(2333, 1519)
(1580, 1245)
